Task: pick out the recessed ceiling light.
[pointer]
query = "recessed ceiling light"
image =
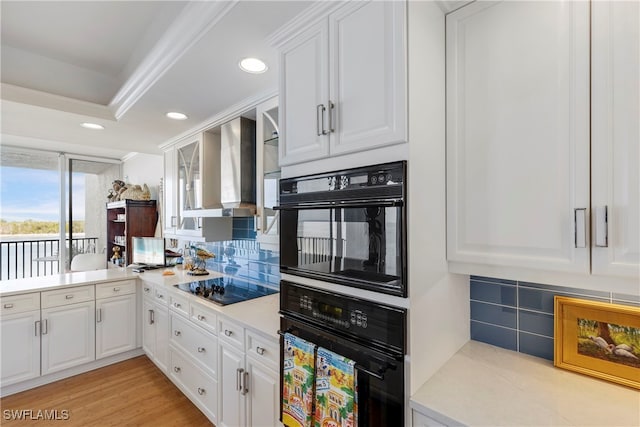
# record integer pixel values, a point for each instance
(176, 116)
(253, 65)
(94, 126)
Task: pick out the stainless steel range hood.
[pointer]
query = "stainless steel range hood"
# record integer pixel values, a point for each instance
(237, 166)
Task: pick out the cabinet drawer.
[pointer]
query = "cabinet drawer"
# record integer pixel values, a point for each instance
(204, 316)
(147, 289)
(114, 289)
(197, 343)
(263, 349)
(68, 296)
(20, 303)
(179, 304)
(232, 333)
(196, 384)
(161, 295)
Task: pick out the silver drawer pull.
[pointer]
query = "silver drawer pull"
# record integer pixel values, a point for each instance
(177, 305)
(8, 306)
(177, 333)
(176, 369)
(69, 296)
(147, 289)
(201, 350)
(116, 289)
(201, 318)
(228, 332)
(201, 391)
(260, 350)
(159, 295)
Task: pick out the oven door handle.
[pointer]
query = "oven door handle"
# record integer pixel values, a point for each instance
(384, 203)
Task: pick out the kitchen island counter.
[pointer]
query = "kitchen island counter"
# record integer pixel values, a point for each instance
(486, 385)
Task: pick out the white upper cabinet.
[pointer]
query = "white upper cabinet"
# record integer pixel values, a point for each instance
(543, 138)
(304, 90)
(518, 134)
(343, 83)
(615, 137)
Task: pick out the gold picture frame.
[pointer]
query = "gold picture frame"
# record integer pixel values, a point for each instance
(598, 339)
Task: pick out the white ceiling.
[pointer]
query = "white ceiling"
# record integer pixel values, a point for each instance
(124, 64)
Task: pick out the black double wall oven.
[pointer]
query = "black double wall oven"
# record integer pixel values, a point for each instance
(349, 227)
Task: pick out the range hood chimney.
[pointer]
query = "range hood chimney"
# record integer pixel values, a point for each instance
(231, 167)
(238, 166)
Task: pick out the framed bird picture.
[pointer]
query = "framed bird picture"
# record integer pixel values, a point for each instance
(598, 339)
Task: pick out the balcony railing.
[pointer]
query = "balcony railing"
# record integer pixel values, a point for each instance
(39, 257)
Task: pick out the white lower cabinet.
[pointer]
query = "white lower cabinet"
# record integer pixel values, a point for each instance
(155, 331)
(115, 319)
(68, 336)
(197, 384)
(20, 343)
(249, 381)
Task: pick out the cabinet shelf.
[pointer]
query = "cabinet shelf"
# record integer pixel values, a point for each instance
(140, 217)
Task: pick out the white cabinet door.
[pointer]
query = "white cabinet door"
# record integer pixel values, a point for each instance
(20, 339)
(169, 192)
(231, 410)
(161, 323)
(115, 325)
(304, 91)
(518, 135)
(148, 328)
(263, 404)
(367, 76)
(68, 336)
(615, 138)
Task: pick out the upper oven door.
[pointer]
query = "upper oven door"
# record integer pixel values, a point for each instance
(355, 244)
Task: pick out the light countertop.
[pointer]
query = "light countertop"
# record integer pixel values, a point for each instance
(483, 385)
(260, 314)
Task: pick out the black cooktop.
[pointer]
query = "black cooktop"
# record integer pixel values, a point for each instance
(226, 290)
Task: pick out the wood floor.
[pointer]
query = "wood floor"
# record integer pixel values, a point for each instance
(130, 393)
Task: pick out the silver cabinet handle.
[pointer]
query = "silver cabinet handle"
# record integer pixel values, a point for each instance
(331, 109)
(116, 289)
(201, 391)
(239, 378)
(8, 306)
(201, 349)
(69, 296)
(228, 332)
(173, 220)
(320, 109)
(176, 369)
(177, 333)
(260, 350)
(37, 327)
(201, 318)
(177, 305)
(147, 289)
(151, 317)
(245, 383)
(99, 315)
(580, 231)
(45, 327)
(159, 295)
(602, 229)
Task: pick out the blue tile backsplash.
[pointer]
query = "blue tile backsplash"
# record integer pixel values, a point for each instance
(243, 257)
(518, 316)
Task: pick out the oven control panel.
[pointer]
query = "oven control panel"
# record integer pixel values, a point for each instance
(351, 315)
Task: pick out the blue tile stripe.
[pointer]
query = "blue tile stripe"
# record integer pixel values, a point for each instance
(519, 315)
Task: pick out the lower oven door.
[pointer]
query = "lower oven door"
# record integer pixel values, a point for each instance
(380, 377)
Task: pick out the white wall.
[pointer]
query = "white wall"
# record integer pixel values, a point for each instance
(439, 301)
(144, 169)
